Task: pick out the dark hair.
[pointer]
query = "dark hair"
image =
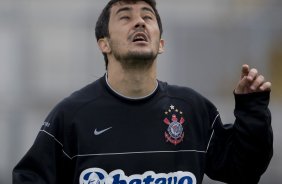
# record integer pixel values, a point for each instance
(102, 24)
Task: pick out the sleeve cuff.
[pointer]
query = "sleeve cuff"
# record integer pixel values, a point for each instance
(252, 100)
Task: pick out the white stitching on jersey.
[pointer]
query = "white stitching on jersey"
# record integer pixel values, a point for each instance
(141, 152)
(66, 154)
(122, 153)
(52, 137)
(214, 120)
(212, 131)
(210, 141)
(56, 141)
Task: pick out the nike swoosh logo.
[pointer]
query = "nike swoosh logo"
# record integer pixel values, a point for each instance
(98, 132)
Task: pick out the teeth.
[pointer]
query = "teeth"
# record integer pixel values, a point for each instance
(139, 38)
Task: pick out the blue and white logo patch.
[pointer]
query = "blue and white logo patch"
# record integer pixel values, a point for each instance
(99, 176)
(93, 178)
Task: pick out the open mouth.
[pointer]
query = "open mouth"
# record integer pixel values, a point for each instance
(140, 37)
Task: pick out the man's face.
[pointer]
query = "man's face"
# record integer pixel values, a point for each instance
(134, 33)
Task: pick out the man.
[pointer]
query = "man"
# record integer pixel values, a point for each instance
(129, 128)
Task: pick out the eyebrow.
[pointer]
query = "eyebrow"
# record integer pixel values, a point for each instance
(123, 9)
(130, 9)
(148, 9)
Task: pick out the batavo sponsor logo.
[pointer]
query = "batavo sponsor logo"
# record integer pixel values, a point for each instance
(99, 176)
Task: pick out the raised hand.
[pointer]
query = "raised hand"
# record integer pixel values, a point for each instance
(251, 81)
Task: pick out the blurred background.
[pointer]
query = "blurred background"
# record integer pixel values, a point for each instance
(48, 50)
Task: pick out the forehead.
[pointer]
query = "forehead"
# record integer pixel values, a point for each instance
(122, 6)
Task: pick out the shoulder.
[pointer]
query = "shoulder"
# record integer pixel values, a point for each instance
(71, 104)
(184, 92)
(188, 95)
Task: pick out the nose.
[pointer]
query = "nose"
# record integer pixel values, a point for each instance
(140, 23)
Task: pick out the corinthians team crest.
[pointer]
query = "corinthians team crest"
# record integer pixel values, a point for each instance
(174, 119)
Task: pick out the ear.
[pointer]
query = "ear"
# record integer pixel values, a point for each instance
(161, 46)
(104, 45)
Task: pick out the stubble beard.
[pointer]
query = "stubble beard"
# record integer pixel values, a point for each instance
(135, 59)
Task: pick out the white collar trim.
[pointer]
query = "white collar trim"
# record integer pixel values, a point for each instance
(131, 98)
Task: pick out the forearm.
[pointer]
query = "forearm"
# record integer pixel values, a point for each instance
(253, 132)
(241, 153)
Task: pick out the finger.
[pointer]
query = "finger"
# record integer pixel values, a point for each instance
(245, 71)
(242, 85)
(266, 86)
(252, 75)
(259, 80)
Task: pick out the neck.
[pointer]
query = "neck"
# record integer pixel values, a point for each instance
(132, 83)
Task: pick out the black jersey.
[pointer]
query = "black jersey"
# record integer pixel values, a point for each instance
(172, 136)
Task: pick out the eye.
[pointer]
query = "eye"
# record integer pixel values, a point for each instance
(147, 17)
(124, 18)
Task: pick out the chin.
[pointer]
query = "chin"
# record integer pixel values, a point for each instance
(137, 60)
(138, 55)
